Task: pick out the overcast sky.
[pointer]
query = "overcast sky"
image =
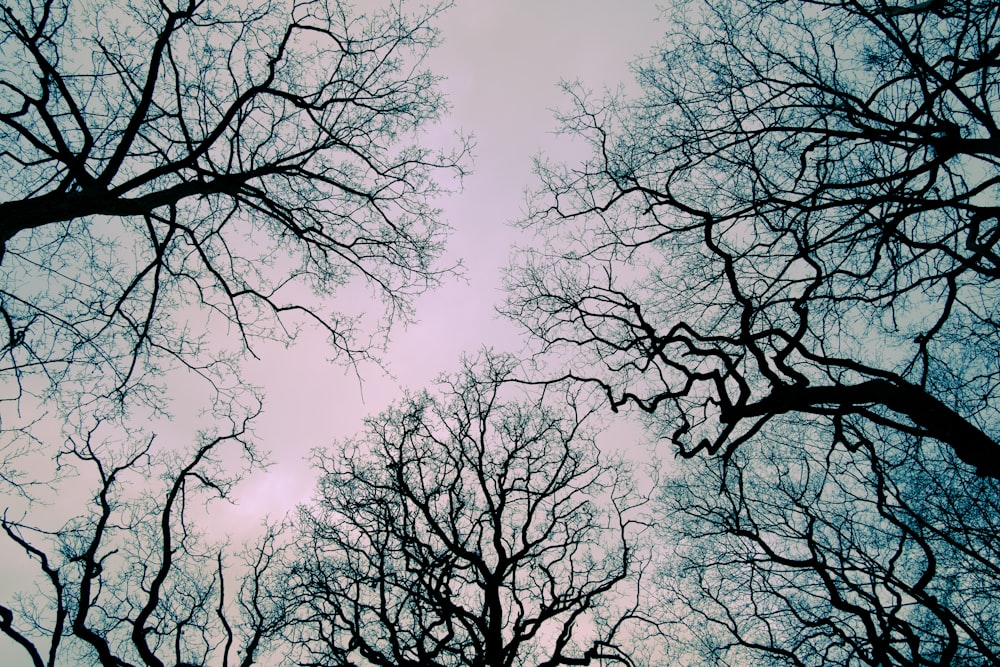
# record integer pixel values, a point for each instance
(503, 60)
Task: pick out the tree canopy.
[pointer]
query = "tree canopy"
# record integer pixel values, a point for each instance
(480, 527)
(178, 168)
(179, 181)
(797, 215)
(783, 250)
(796, 554)
(130, 576)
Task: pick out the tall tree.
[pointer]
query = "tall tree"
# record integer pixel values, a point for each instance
(131, 580)
(478, 528)
(812, 187)
(173, 168)
(178, 181)
(796, 554)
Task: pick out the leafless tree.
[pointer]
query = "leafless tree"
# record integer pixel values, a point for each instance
(803, 555)
(478, 528)
(170, 169)
(174, 175)
(813, 189)
(131, 580)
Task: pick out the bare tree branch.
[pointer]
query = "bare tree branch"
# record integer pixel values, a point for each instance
(812, 187)
(169, 169)
(473, 529)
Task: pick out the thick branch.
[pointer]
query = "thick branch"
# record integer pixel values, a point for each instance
(937, 419)
(17, 216)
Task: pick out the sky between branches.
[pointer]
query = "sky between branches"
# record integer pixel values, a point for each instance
(502, 61)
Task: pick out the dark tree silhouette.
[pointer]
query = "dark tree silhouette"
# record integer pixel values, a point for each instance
(481, 528)
(802, 555)
(173, 168)
(173, 176)
(131, 581)
(814, 188)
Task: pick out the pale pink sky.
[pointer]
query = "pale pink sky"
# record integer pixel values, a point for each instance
(503, 60)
